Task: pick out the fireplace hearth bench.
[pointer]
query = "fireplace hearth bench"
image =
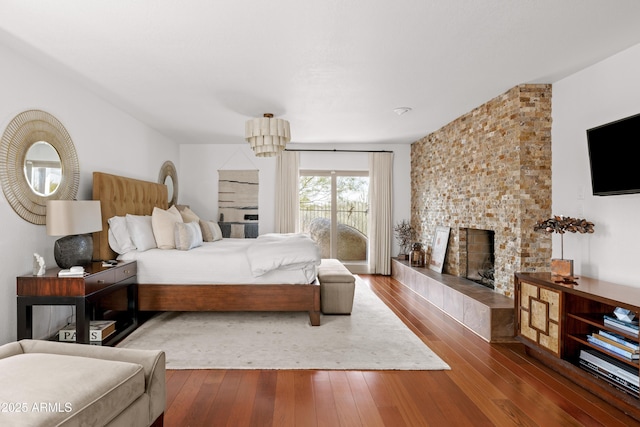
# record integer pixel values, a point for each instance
(47, 383)
(480, 309)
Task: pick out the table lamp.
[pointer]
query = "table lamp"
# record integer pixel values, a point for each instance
(73, 219)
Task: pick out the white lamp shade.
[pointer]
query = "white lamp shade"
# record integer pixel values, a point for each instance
(69, 217)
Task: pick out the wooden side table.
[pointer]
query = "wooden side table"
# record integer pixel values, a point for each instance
(85, 293)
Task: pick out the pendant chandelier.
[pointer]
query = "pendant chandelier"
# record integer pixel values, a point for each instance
(267, 136)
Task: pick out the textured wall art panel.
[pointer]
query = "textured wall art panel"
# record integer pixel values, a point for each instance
(238, 203)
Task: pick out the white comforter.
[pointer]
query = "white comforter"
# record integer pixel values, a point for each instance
(271, 258)
(282, 251)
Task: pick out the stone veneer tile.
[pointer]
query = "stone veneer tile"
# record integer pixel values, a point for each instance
(453, 304)
(435, 293)
(477, 317)
(489, 169)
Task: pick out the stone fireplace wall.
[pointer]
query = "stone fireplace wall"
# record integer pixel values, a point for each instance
(489, 169)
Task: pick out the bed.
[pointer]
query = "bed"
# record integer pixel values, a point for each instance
(121, 195)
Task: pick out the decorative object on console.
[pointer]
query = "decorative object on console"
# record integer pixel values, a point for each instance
(624, 314)
(561, 224)
(404, 236)
(73, 219)
(417, 255)
(267, 136)
(39, 266)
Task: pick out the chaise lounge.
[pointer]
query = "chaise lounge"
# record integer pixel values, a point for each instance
(46, 383)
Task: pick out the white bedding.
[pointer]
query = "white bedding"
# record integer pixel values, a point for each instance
(271, 258)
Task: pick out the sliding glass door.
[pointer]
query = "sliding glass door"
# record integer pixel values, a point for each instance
(334, 211)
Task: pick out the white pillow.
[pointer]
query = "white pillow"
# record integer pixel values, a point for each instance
(210, 231)
(119, 238)
(187, 235)
(163, 223)
(215, 229)
(113, 243)
(141, 232)
(188, 215)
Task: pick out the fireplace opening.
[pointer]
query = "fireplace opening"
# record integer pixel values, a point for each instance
(481, 257)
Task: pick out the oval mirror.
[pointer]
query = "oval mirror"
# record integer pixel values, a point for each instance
(42, 168)
(33, 142)
(169, 183)
(169, 177)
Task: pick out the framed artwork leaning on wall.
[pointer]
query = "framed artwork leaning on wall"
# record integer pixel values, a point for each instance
(439, 248)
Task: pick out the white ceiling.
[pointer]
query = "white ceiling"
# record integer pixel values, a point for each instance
(196, 70)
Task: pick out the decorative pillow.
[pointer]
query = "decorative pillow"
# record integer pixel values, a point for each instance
(188, 215)
(141, 232)
(187, 235)
(210, 231)
(163, 223)
(207, 234)
(119, 238)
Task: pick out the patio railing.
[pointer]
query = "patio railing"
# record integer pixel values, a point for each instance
(353, 214)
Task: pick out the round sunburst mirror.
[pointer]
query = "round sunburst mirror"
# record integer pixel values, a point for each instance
(38, 162)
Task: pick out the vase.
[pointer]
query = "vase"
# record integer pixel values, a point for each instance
(416, 256)
(562, 267)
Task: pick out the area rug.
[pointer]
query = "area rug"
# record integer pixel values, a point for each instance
(371, 338)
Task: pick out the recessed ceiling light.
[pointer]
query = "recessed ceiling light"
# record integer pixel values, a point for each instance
(401, 110)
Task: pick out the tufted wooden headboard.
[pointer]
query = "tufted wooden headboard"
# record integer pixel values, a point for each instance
(119, 196)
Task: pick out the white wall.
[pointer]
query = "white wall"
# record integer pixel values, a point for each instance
(607, 91)
(106, 139)
(199, 187)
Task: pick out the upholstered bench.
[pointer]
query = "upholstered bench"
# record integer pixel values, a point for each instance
(46, 383)
(337, 287)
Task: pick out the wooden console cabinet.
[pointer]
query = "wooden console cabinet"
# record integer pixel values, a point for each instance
(553, 320)
(103, 293)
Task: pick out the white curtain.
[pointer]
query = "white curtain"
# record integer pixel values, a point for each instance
(380, 199)
(287, 192)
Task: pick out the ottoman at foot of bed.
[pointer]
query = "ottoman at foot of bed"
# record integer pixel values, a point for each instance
(337, 287)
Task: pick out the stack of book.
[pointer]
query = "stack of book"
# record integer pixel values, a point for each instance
(615, 372)
(76, 271)
(615, 343)
(98, 331)
(630, 327)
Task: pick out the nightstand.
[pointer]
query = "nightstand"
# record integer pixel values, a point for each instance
(103, 293)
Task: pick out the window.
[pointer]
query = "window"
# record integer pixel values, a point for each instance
(334, 211)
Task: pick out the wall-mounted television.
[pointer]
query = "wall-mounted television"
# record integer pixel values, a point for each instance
(613, 157)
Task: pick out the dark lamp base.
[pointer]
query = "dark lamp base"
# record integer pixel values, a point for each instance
(73, 250)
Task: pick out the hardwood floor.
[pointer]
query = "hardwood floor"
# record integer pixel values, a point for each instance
(488, 385)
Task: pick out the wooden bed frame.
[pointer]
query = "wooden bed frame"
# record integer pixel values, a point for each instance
(119, 195)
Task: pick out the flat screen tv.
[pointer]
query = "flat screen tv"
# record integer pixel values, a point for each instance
(613, 157)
